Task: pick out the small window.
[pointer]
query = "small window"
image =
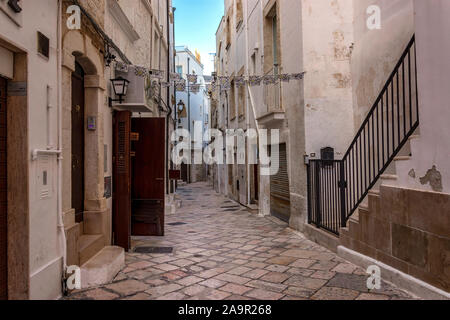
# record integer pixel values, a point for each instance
(180, 70)
(43, 45)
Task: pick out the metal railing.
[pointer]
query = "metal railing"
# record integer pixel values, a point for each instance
(389, 124)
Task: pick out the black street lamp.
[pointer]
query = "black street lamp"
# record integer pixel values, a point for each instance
(120, 87)
(181, 106)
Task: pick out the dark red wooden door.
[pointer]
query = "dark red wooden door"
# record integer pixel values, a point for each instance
(3, 195)
(78, 142)
(122, 180)
(148, 167)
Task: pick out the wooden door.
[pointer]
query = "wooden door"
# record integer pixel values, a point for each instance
(256, 181)
(122, 180)
(3, 195)
(78, 142)
(184, 172)
(148, 165)
(280, 200)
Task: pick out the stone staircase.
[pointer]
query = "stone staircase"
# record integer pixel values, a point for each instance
(99, 262)
(371, 204)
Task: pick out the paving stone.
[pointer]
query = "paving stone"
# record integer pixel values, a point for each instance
(264, 295)
(127, 287)
(189, 280)
(212, 294)
(302, 263)
(275, 277)
(331, 293)
(324, 265)
(309, 283)
(344, 268)
(174, 275)
(325, 275)
(371, 296)
(277, 268)
(232, 278)
(238, 298)
(172, 296)
(139, 297)
(269, 286)
(301, 272)
(349, 281)
(239, 271)
(211, 273)
(299, 292)
(255, 274)
(100, 294)
(162, 290)
(166, 267)
(194, 290)
(285, 261)
(235, 289)
(213, 283)
(155, 282)
(182, 263)
(140, 265)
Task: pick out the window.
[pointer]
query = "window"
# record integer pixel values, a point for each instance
(272, 58)
(232, 99)
(180, 70)
(254, 63)
(228, 28)
(239, 14)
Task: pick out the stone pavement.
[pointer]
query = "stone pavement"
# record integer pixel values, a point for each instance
(221, 251)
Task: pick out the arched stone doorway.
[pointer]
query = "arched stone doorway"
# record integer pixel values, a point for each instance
(77, 140)
(86, 215)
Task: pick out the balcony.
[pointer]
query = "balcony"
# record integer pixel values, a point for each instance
(275, 113)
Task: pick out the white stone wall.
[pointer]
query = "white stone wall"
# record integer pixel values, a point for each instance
(45, 253)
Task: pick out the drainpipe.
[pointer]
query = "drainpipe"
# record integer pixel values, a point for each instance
(168, 101)
(62, 232)
(175, 124)
(247, 114)
(189, 119)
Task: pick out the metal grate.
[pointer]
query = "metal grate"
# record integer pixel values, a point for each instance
(176, 224)
(158, 250)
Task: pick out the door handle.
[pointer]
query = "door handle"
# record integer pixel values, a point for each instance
(159, 179)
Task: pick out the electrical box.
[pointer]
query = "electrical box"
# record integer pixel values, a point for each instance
(141, 91)
(327, 154)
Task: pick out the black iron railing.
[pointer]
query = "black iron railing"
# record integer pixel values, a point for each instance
(336, 189)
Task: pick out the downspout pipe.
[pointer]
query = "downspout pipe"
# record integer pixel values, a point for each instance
(189, 119)
(61, 229)
(247, 112)
(168, 100)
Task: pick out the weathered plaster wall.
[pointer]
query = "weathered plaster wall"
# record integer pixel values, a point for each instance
(44, 264)
(327, 39)
(376, 52)
(431, 151)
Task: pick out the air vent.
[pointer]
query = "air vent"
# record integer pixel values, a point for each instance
(43, 45)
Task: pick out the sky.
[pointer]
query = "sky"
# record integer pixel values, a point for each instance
(196, 23)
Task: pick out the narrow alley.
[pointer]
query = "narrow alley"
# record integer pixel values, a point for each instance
(221, 251)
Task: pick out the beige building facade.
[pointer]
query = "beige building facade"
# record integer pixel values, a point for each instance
(344, 104)
(57, 177)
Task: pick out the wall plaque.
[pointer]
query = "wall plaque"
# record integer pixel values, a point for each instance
(17, 89)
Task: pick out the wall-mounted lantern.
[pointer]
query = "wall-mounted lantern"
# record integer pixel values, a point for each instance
(181, 110)
(120, 87)
(181, 106)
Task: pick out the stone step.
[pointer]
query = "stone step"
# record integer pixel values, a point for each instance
(103, 267)
(72, 244)
(402, 158)
(389, 177)
(89, 246)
